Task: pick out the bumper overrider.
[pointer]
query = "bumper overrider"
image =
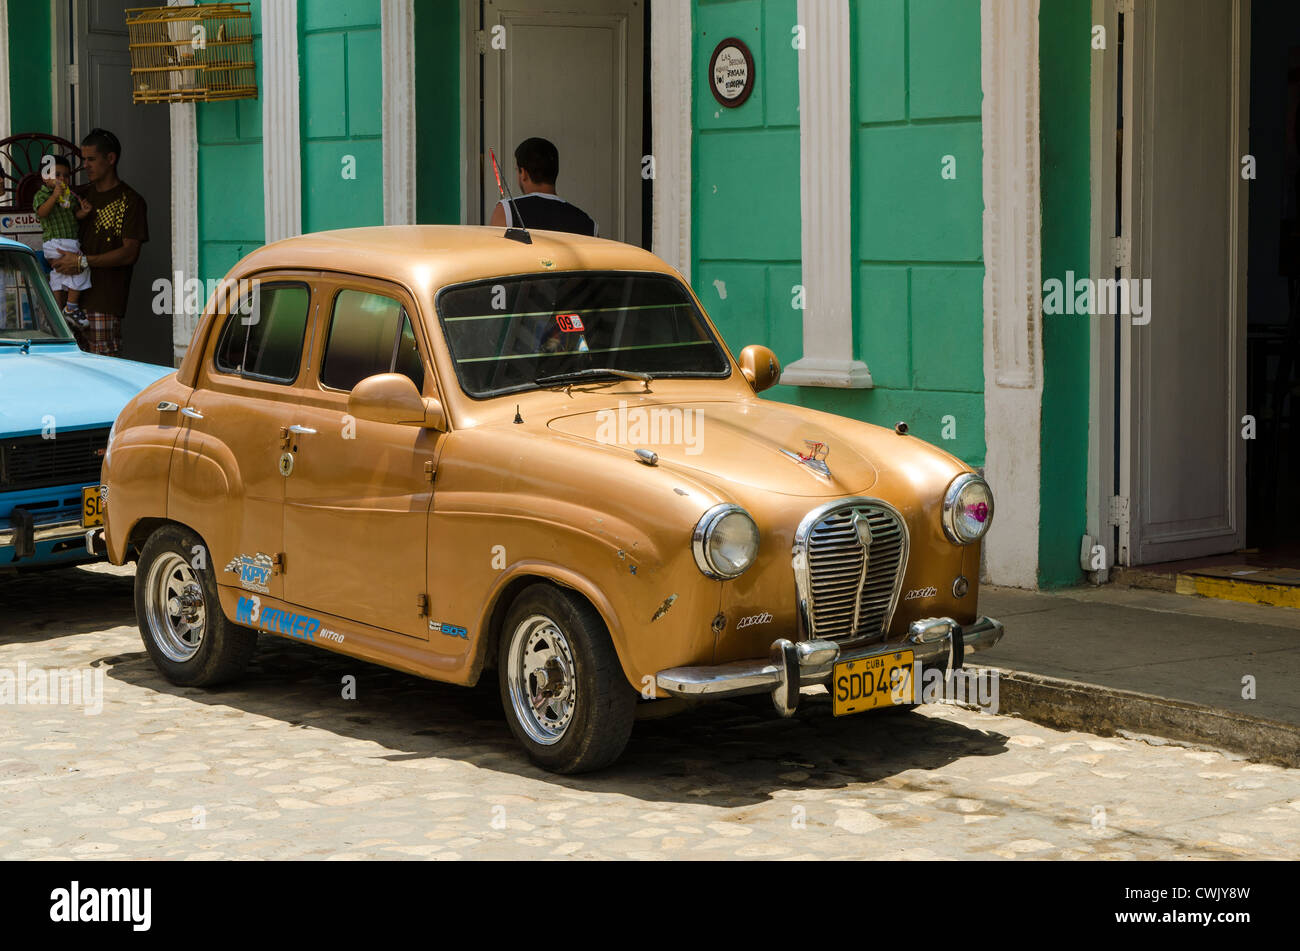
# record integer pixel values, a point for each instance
(934, 642)
(23, 531)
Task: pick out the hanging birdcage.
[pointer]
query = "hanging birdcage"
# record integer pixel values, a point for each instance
(199, 53)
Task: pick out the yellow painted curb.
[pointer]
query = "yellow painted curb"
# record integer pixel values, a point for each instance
(1226, 589)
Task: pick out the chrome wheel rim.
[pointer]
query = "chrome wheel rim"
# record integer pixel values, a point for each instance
(542, 679)
(176, 608)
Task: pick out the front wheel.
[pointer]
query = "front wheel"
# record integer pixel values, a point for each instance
(179, 613)
(564, 693)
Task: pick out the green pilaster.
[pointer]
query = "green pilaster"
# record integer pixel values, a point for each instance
(1065, 58)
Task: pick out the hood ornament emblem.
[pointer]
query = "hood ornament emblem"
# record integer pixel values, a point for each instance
(863, 529)
(814, 458)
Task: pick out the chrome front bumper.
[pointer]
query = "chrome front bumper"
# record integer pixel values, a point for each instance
(25, 537)
(940, 642)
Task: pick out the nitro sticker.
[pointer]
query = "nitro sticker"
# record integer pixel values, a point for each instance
(570, 323)
(451, 630)
(254, 571)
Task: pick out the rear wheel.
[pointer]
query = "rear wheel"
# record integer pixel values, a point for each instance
(179, 613)
(564, 693)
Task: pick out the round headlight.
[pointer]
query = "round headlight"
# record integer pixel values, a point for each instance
(725, 541)
(967, 509)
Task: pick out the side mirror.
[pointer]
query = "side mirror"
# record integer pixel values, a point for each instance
(760, 367)
(393, 398)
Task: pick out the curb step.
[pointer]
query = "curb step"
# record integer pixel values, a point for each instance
(1105, 711)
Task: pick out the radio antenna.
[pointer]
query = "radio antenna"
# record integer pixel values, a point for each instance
(519, 234)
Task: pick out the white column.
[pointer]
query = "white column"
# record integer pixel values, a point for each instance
(185, 214)
(281, 151)
(6, 113)
(825, 174)
(670, 105)
(398, 39)
(1013, 343)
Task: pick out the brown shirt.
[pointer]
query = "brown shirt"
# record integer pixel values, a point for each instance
(119, 213)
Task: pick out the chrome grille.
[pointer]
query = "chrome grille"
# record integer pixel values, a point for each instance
(849, 589)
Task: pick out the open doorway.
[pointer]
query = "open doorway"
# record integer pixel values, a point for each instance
(577, 73)
(93, 55)
(1205, 454)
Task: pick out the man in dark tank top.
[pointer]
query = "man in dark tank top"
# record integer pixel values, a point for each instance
(538, 162)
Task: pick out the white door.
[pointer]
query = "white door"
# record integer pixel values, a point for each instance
(104, 101)
(1182, 459)
(571, 72)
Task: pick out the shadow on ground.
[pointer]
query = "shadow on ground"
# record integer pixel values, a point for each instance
(53, 602)
(721, 754)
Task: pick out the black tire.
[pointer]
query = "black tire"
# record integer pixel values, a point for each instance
(223, 649)
(603, 705)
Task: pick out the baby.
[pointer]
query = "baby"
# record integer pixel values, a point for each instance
(54, 205)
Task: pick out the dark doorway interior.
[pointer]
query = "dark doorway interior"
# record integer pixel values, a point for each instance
(102, 98)
(1273, 328)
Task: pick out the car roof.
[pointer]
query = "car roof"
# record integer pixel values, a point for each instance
(427, 257)
(8, 244)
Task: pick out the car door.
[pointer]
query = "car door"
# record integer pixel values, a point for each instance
(357, 502)
(226, 479)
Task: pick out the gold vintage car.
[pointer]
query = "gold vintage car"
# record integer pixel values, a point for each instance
(447, 451)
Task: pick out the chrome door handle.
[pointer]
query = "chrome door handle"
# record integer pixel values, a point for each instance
(302, 431)
(191, 413)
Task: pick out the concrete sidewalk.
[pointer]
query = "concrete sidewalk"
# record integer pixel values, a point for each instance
(1183, 648)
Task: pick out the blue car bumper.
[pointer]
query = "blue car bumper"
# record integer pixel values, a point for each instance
(42, 528)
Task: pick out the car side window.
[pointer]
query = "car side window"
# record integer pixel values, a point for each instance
(267, 343)
(369, 334)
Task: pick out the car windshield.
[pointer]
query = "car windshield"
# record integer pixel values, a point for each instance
(507, 334)
(27, 307)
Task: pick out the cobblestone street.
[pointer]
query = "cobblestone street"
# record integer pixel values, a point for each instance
(280, 766)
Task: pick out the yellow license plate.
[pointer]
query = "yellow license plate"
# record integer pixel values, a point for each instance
(92, 507)
(859, 685)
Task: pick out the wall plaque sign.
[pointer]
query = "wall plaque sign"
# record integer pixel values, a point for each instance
(731, 70)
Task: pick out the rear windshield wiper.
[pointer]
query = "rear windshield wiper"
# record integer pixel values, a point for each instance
(577, 376)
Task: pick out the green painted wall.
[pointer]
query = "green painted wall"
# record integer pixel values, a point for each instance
(231, 190)
(918, 284)
(746, 179)
(341, 112)
(437, 107)
(30, 65)
(1064, 63)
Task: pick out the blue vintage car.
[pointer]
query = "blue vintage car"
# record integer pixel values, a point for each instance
(57, 405)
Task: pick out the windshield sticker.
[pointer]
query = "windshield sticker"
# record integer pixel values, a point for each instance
(570, 323)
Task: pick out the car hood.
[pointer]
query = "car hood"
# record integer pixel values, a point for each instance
(79, 390)
(750, 442)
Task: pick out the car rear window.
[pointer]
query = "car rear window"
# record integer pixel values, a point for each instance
(267, 344)
(369, 333)
(506, 333)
